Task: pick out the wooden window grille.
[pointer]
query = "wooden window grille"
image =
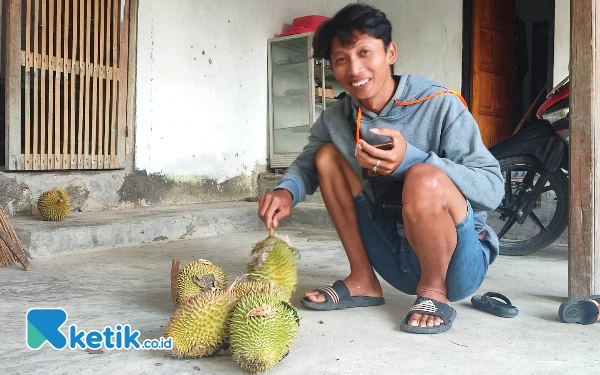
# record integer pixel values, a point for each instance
(66, 84)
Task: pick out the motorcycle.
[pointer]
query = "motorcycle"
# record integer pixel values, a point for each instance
(535, 166)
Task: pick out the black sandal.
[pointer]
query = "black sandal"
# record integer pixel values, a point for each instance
(584, 310)
(337, 297)
(495, 303)
(428, 306)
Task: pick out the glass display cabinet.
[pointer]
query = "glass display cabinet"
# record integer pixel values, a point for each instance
(300, 88)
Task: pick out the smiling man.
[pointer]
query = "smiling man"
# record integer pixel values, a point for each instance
(436, 170)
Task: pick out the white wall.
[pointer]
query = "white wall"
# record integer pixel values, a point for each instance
(202, 75)
(429, 37)
(202, 83)
(562, 40)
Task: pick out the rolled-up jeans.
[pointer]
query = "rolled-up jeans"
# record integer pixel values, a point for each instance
(393, 258)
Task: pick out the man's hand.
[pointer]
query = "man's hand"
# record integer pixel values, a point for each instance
(390, 160)
(274, 206)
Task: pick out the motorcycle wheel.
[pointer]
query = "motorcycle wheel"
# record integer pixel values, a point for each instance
(517, 239)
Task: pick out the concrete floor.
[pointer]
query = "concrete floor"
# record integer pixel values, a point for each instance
(131, 286)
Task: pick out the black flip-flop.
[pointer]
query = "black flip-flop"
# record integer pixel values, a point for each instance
(584, 310)
(428, 306)
(337, 297)
(496, 304)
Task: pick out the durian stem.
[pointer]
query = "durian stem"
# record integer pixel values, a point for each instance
(237, 280)
(230, 287)
(271, 232)
(13, 249)
(258, 276)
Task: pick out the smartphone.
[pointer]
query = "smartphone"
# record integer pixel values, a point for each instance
(384, 146)
(366, 173)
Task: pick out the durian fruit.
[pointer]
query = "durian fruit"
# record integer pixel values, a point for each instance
(54, 205)
(199, 326)
(244, 289)
(194, 278)
(262, 329)
(274, 259)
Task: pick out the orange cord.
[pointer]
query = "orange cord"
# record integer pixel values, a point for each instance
(432, 96)
(358, 116)
(411, 102)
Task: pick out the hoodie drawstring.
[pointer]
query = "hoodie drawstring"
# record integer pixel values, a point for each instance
(456, 93)
(411, 102)
(358, 116)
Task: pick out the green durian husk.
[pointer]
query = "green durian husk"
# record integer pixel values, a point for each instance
(199, 326)
(197, 277)
(262, 329)
(54, 205)
(274, 259)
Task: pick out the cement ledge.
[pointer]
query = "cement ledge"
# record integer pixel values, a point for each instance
(83, 232)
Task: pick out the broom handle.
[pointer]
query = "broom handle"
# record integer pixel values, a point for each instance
(529, 110)
(13, 249)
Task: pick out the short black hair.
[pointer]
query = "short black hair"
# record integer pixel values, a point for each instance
(353, 17)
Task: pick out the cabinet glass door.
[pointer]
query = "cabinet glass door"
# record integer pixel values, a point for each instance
(291, 90)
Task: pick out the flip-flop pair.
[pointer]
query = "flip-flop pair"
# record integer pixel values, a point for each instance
(337, 297)
(491, 302)
(584, 310)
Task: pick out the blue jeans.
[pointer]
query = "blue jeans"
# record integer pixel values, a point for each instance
(396, 262)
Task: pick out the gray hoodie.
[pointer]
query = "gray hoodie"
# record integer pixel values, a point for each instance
(439, 131)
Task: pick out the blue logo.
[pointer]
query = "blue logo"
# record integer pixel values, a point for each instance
(43, 325)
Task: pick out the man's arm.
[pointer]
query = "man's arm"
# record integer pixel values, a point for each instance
(469, 164)
(301, 178)
(465, 159)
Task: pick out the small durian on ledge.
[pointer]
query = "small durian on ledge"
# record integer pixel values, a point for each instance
(54, 205)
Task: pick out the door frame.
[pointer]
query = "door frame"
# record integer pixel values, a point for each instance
(467, 53)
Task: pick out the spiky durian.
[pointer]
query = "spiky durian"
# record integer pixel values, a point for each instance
(274, 259)
(244, 289)
(262, 329)
(194, 278)
(198, 327)
(54, 205)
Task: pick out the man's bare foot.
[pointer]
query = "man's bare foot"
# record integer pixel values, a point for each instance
(422, 320)
(370, 288)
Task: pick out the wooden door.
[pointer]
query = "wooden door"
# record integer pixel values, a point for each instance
(493, 68)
